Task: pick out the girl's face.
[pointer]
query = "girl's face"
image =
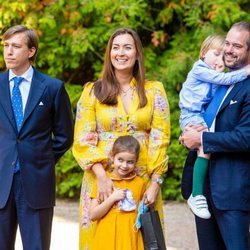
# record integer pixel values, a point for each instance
(124, 164)
(214, 59)
(123, 53)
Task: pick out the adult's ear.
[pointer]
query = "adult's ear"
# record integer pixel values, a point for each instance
(32, 52)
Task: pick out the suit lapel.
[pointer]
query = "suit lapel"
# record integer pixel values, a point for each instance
(36, 90)
(5, 99)
(230, 96)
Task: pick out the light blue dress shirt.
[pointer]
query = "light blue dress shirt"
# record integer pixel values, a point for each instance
(199, 88)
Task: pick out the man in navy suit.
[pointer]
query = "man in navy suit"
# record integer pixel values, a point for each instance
(36, 129)
(228, 181)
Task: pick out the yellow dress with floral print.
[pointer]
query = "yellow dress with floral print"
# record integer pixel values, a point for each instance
(98, 125)
(116, 230)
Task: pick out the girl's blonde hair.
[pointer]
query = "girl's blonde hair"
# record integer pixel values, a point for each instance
(212, 42)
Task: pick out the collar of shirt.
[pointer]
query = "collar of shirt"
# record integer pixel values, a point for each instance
(25, 84)
(27, 76)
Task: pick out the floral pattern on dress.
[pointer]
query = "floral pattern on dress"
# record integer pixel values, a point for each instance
(86, 202)
(160, 103)
(89, 138)
(98, 125)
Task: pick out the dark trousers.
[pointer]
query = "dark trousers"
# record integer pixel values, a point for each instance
(227, 229)
(34, 224)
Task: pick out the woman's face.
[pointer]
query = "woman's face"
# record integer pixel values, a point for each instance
(123, 53)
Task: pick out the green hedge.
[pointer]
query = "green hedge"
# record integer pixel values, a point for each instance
(73, 35)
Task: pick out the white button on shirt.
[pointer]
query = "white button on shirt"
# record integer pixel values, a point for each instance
(24, 86)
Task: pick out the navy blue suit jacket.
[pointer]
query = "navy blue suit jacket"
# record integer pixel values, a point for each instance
(46, 134)
(229, 169)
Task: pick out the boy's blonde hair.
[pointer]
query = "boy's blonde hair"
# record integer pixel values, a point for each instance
(212, 42)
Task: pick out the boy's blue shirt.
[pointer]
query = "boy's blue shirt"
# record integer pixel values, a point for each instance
(201, 84)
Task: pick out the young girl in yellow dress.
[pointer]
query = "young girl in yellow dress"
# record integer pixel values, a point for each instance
(116, 216)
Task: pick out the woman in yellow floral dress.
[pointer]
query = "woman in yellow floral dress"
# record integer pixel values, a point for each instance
(121, 103)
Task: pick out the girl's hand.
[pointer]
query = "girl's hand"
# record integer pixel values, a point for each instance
(150, 195)
(118, 194)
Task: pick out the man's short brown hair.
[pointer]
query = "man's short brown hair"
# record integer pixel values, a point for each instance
(31, 37)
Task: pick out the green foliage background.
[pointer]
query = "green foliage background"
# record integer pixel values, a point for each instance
(73, 35)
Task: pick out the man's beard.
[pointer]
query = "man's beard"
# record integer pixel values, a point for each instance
(237, 63)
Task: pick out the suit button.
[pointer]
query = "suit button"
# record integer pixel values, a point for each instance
(13, 163)
(18, 141)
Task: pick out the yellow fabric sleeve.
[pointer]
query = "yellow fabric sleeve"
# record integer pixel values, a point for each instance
(159, 136)
(85, 147)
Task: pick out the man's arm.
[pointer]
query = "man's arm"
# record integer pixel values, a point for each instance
(232, 125)
(63, 128)
(236, 140)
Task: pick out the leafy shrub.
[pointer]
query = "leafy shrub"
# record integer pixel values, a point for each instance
(73, 35)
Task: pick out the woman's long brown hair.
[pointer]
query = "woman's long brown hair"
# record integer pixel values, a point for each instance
(107, 88)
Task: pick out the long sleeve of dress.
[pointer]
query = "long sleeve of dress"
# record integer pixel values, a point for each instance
(159, 136)
(85, 147)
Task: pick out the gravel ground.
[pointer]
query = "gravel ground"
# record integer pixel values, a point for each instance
(179, 225)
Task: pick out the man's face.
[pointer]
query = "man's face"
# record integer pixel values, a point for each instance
(236, 53)
(17, 53)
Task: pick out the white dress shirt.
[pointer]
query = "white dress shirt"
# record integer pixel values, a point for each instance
(24, 85)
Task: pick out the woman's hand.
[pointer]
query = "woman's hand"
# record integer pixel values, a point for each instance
(105, 185)
(150, 195)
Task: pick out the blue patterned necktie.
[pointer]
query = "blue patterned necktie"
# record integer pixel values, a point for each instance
(17, 103)
(214, 105)
(17, 106)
